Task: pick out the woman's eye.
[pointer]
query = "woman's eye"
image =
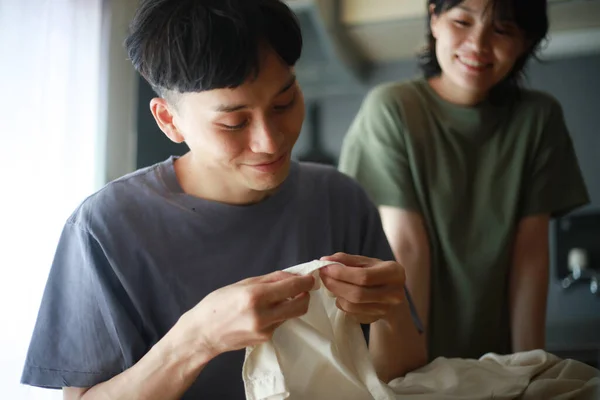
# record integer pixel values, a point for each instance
(235, 127)
(461, 22)
(501, 30)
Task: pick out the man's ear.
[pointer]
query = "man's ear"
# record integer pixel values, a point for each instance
(163, 114)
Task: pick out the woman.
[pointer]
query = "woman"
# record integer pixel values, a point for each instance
(467, 168)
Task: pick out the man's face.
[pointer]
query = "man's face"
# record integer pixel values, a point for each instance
(245, 135)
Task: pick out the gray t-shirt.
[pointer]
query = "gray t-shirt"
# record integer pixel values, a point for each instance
(140, 252)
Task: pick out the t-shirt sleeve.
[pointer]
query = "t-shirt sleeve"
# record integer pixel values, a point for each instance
(84, 334)
(375, 245)
(375, 153)
(554, 183)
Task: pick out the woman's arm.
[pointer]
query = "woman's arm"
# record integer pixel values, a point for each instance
(528, 285)
(407, 236)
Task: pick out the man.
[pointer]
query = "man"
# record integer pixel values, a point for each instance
(163, 276)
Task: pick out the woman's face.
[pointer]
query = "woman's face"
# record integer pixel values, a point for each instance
(475, 48)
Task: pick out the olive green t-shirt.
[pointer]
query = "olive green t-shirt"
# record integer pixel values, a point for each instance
(472, 173)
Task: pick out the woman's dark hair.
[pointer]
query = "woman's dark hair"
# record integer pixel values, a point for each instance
(529, 15)
(197, 45)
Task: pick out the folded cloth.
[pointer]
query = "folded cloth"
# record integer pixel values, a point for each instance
(532, 375)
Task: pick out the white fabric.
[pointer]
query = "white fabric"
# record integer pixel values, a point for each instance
(323, 356)
(533, 375)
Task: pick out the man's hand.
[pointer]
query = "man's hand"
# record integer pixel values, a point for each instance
(366, 288)
(231, 318)
(246, 313)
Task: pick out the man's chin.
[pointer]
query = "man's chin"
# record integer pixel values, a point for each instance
(270, 182)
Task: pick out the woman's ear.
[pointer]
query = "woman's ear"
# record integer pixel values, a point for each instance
(163, 114)
(433, 20)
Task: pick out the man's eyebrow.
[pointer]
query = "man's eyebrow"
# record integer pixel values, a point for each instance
(288, 85)
(229, 108)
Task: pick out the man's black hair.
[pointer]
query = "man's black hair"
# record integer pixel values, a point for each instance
(197, 45)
